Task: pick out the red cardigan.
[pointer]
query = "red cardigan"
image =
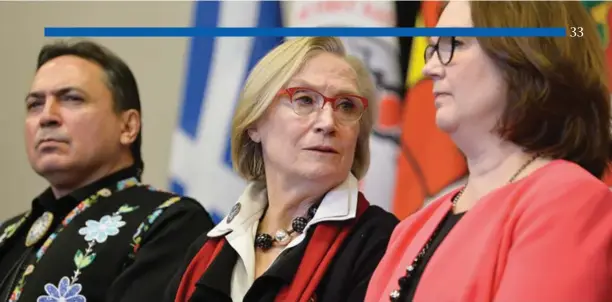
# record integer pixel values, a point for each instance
(544, 238)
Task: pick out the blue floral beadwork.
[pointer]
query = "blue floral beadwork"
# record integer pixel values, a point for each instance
(64, 292)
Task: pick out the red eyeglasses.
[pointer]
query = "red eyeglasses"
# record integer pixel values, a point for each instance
(347, 107)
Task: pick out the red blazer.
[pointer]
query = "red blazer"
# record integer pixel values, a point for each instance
(544, 238)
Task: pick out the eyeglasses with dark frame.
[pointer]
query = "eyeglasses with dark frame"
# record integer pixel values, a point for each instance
(304, 101)
(444, 48)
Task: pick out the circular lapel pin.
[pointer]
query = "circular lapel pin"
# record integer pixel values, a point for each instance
(235, 210)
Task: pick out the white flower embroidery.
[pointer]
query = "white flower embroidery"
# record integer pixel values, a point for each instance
(100, 230)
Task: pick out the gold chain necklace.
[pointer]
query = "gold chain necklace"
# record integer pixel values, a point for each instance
(516, 174)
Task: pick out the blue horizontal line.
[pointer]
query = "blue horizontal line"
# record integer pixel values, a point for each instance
(299, 32)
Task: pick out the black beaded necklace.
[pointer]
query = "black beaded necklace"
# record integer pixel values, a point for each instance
(282, 237)
(405, 281)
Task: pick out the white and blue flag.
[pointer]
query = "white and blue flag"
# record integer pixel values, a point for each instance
(200, 164)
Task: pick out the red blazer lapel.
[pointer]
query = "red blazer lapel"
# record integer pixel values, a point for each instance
(406, 244)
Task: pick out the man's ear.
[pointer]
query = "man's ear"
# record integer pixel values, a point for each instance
(130, 127)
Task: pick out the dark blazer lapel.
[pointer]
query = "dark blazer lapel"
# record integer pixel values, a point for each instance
(287, 263)
(280, 274)
(218, 277)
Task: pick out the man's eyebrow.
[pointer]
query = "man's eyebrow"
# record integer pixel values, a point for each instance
(34, 94)
(61, 91)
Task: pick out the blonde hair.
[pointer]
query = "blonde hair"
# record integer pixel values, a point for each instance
(268, 77)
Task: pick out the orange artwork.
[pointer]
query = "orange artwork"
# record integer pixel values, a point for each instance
(429, 160)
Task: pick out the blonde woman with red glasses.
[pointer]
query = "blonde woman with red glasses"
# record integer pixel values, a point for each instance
(301, 231)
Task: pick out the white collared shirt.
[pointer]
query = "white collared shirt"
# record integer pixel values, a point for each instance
(338, 204)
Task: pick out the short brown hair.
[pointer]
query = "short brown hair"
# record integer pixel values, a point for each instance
(558, 99)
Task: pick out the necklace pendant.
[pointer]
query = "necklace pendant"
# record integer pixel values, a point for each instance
(264, 241)
(281, 236)
(39, 228)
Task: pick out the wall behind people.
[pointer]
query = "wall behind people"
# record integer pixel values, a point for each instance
(163, 71)
(157, 63)
(166, 77)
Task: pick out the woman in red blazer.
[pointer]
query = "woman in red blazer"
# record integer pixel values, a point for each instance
(532, 116)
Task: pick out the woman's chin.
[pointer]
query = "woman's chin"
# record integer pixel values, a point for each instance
(446, 122)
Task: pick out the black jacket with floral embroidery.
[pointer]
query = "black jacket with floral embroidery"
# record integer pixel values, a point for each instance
(114, 240)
